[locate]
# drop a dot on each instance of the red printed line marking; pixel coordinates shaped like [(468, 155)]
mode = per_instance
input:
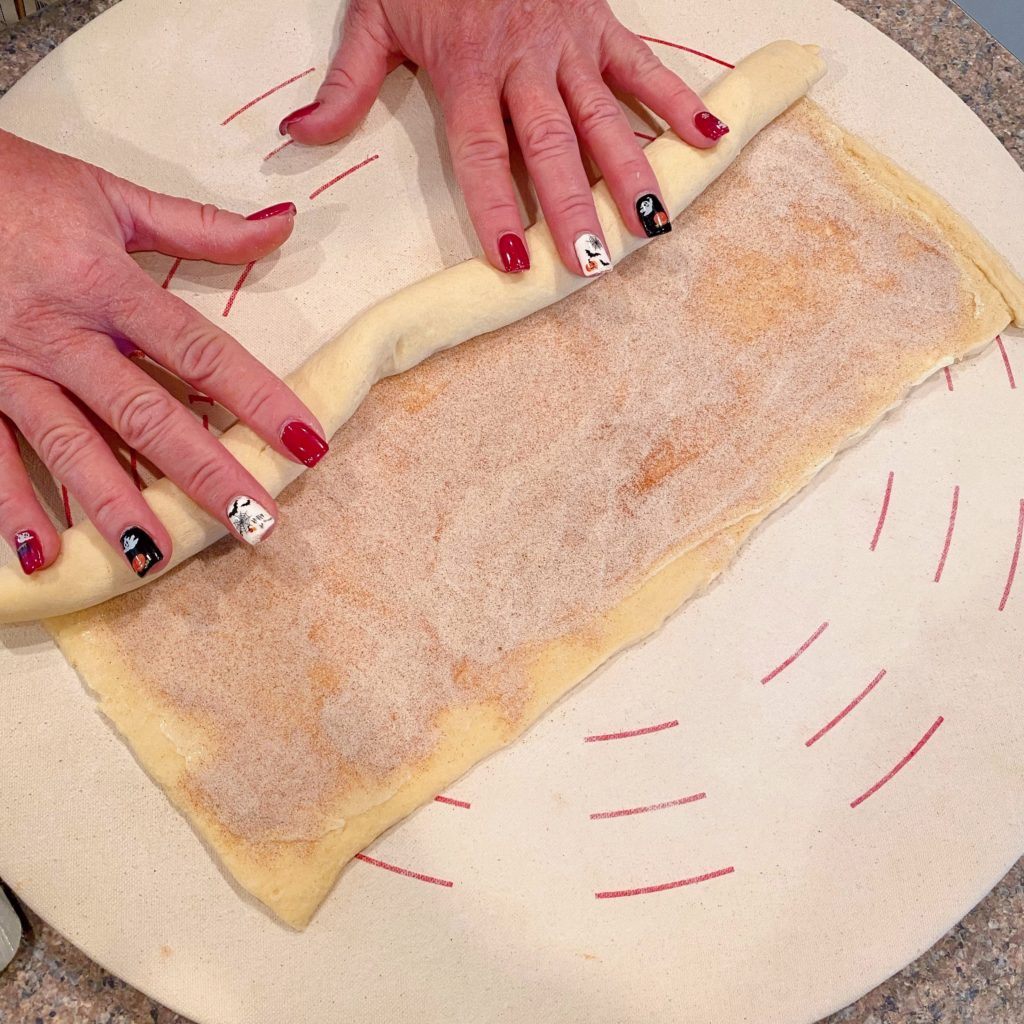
[(644, 135), (687, 49), (344, 174), (67, 505), (650, 807), (901, 764), (949, 378), (274, 152), (616, 893), (404, 871), (134, 463), (796, 654), (1016, 558), (849, 707), (1006, 363), (884, 512), (237, 288), (454, 803), (949, 534), (263, 96), (171, 272), (206, 422), (195, 399), (646, 730)]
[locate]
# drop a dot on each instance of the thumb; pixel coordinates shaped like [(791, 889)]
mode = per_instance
[(153, 222), (364, 59)]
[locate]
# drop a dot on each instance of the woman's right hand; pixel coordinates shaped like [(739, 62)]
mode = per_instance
[(70, 294)]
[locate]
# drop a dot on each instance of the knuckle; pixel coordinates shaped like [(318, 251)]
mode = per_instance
[(60, 445), (11, 507), (108, 507), (597, 113), (141, 417), (262, 399), (208, 215), (480, 147), (642, 62), (93, 274), (575, 208), (340, 78), (204, 477), (547, 135), (201, 355)]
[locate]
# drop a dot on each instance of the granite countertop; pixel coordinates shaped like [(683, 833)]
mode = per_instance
[(975, 974)]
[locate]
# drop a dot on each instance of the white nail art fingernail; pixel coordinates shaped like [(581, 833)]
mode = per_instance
[(250, 519), (592, 254)]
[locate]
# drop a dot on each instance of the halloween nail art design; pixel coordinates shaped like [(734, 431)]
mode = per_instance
[(30, 551), (140, 549), (709, 126), (593, 256), (652, 215), (250, 519)]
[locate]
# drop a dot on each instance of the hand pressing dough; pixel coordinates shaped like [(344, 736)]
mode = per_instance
[(495, 523)]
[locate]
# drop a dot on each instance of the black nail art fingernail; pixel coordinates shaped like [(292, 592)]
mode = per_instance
[(652, 215), (140, 549)]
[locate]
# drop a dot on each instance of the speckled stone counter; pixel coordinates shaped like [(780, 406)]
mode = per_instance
[(975, 975)]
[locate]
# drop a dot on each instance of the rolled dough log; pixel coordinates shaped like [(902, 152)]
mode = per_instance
[(498, 521)]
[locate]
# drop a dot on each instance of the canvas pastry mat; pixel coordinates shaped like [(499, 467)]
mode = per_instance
[(761, 812)]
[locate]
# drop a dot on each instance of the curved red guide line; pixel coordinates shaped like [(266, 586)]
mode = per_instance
[(901, 764), (650, 807), (67, 505), (616, 893), (454, 803), (277, 149), (849, 707), (237, 288), (632, 732), (796, 654), (884, 512), (644, 135), (404, 871), (171, 272), (263, 96), (344, 174), (1006, 363), (949, 378), (949, 535), (1016, 558), (687, 49)]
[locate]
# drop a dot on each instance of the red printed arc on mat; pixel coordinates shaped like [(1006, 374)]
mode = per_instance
[(949, 378), (277, 149), (262, 96), (344, 174), (1006, 363), (404, 871), (901, 764), (796, 654), (171, 272), (885, 511), (688, 49), (627, 812), (630, 733), (238, 287), (612, 894), (67, 505), (829, 726), (644, 135), (949, 535), (1015, 559)]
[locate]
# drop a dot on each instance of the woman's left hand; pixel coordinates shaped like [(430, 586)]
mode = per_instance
[(551, 64)]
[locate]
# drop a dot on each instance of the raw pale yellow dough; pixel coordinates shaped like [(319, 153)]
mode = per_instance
[(495, 523)]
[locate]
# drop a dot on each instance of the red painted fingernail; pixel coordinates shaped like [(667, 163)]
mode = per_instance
[(30, 551), (512, 249), (273, 211), (709, 126), (296, 115), (304, 442)]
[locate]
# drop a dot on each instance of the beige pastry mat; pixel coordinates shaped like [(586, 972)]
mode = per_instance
[(520, 897)]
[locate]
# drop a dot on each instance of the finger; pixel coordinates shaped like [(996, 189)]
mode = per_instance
[(23, 522), (479, 148), (153, 222), (163, 431), (364, 59), (605, 132), (630, 65), (76, 455), (171, 332), (552, 156)]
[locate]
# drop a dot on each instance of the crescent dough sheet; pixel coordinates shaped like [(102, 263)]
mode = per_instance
[(496, 522)]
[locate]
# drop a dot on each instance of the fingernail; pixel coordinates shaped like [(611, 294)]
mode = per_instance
[(304, 442), (252, 522), (273, 211), (592, 254), (297, 115), (30, 551), (709, 126), (512, 249), (140, 549), (652, 215)]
